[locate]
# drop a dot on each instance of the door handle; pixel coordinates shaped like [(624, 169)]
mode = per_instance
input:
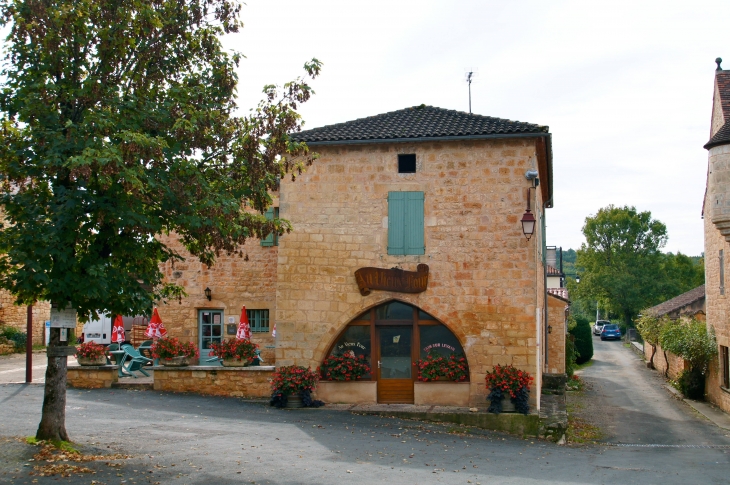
[(378, 364)]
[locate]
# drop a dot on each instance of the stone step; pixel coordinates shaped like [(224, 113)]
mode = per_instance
[(127, 384)]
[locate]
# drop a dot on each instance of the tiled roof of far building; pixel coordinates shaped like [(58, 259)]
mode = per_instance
[(678, 302), (419, 122), (553, 271), (722, 78), (561, 293)]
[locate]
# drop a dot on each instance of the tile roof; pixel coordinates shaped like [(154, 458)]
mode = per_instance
[(553, 271), (561, 293), (419, 122), (678, 302), (722, 137)]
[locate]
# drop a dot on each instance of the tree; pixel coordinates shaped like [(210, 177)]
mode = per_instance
[(690, 339), (583, 340), (680, 274), (117, 127), (621, 260)]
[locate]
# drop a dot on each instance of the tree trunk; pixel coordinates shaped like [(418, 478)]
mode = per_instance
[(53, 418), (666, 372)]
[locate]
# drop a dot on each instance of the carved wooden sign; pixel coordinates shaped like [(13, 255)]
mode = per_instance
[(394, 279)]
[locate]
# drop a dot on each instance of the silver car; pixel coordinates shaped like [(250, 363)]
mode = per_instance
[(598, 326)]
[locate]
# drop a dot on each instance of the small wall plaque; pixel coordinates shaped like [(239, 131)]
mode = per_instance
[(231, 329)]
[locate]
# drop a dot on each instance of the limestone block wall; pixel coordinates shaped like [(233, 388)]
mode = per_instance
[(676, 363), (17, 316), (234, 282), (486, 281), (556, 339), (216, 381), (91, 377), (717, 306)]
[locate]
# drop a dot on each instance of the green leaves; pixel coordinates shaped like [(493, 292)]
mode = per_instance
[(690, 339), (117, 127)]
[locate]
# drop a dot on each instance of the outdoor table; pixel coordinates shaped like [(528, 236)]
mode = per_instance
[(119, 358)]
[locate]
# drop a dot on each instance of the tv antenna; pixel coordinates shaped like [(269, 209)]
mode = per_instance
[(469, 77)]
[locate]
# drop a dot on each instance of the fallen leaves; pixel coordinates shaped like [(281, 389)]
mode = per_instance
[(58, 461)]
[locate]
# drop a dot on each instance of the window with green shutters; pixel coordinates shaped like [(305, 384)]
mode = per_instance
[(405, 223), (271, 239), (259, 320)]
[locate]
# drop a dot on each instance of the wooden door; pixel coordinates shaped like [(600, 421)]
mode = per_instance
[(395, 364)]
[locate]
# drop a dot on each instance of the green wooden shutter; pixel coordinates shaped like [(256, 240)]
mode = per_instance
[(414, 223), (396, 222), (269, 240)]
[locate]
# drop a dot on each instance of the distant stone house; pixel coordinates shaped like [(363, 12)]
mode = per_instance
[(688, 304), (407, 239)]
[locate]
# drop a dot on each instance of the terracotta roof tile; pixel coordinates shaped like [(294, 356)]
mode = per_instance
[(678, 302)]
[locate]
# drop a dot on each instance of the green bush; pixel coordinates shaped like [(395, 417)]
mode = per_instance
[(692, 384), (583, 340), (571, 355), (15, 336)]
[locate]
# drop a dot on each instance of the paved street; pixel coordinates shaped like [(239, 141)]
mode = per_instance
[(629, 403), (12, 368), (188, 439)]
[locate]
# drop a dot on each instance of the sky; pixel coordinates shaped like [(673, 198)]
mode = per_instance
[(625, 87)]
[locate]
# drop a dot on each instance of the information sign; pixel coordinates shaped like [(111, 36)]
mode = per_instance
[(63, 318)]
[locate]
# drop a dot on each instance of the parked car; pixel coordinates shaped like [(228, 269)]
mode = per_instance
[(598, 326), (610, 331)]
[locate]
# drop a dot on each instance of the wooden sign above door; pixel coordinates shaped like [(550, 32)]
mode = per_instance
[(394, 279)]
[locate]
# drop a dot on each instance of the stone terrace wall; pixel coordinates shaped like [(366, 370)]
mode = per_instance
[(17, 316), (92, 377), (676, 364), (485, 277), (215, 381)]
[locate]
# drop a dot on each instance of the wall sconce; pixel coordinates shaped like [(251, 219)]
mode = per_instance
[(208, 293), (550, 329), (577, 279), (528, 219)]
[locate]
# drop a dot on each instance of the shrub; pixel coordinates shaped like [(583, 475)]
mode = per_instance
[(650, 328), (346, 367), (167, 348), (690, 339), (571, 355), (14, 336), (583, 340), (293, 379), (235, 349), (90, 350), (692, 383), (435, 366)]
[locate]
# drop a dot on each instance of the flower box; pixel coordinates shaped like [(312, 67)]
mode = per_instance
[(349, 392), (87, 361), (234, 363), (179, 361)]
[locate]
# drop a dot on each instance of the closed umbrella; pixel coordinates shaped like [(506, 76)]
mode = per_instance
[(244, 328), (155, 329), (118, 330)]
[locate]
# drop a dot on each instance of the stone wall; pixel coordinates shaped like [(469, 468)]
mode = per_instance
[(486, 280), (17, 316), (234, 281), (556, 339), (91, 377), (717, 305), (676, 364), (216, 381)]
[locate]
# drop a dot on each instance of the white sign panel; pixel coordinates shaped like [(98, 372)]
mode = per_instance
[(63, 318)]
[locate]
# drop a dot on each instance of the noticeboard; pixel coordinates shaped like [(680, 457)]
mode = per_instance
[(63, 318)]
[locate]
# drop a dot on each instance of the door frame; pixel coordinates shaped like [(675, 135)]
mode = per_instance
[(381, 388), (204, 357)]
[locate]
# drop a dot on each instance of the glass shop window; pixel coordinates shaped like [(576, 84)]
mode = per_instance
[(355, 339), (437, 339)]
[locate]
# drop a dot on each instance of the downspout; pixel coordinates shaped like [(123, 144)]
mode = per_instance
[(544, 272)]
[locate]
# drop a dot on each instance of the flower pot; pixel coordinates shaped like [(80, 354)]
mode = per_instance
[(101, 360), (179, 361), (294, 401), (235, 363), (507, 405)]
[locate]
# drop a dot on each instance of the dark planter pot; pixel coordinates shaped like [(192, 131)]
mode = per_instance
[(179, 361), (101, 360), (294, 401)]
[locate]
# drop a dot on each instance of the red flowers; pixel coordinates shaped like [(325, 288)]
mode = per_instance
[(235, 349), (435, 366), (347, 367), (508, 379), (292, 379), (90, 350), (167, 348)]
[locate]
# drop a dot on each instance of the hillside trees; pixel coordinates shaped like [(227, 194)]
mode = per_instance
[(118, 125)]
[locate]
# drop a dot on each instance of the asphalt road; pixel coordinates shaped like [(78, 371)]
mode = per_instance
[(630, 404), (189, 439)]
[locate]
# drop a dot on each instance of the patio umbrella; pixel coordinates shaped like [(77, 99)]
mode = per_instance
[(118, 330), (155, 329), (244, 328)]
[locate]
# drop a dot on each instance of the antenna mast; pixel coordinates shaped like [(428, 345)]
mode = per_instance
[(469, 77)]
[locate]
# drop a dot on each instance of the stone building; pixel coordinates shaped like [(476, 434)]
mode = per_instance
[(407, 239), (716, 214)]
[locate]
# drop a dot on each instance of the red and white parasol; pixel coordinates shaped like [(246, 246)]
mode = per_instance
[(244, 328), (155, 329), (118, 330)]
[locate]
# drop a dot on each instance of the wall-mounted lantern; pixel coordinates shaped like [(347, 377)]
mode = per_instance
[(208, 293), (528, 219)]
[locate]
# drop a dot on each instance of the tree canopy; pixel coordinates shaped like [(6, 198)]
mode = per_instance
[(118, 125), (621, 260)]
